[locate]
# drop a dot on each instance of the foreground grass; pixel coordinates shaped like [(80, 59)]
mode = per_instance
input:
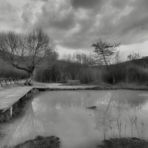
[(41, 142), (124, 143), (54, 142)]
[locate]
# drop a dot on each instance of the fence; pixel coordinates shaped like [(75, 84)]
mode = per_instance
[(10, 81)]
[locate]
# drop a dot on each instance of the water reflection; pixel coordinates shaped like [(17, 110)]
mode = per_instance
[(67, 115)]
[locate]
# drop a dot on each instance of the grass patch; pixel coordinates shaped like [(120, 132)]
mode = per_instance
[(124, 143), (41, 142)]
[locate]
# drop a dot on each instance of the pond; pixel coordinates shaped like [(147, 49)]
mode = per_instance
[(81, 119)]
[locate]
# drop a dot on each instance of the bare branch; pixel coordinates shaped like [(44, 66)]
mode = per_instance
[(22, 51)]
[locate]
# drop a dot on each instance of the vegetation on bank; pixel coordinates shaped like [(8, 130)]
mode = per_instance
[(128, 72), (39, 142), (97, 69), (124, 143), (61, 71)]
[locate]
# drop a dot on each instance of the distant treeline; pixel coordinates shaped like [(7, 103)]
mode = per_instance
[(135, 71)]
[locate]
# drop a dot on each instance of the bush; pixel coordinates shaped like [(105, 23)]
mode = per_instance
[(124, 143), (128, 73), (52, 73), (63, 71), (115, 74), (41, 142), (137, 74), (86, 75), (58, 72)]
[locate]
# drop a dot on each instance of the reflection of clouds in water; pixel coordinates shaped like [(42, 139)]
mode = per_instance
[(104, 100), (122, 118), (75, 126), (71, 123), (39, 106), (144, 95), (145, 107), (64, 114)]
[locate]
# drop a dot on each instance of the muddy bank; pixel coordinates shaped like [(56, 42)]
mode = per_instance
[(40, 142), (124, 143), (54, 142), (62, 87), (18, 108)]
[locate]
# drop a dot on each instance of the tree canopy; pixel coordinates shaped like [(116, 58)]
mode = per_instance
[(25, 51), (104, 50)]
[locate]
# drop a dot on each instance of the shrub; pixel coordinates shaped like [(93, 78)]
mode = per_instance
[(116, 74), (137, 74), (124, 143), (41, 142), (128, 73), (86, 75)]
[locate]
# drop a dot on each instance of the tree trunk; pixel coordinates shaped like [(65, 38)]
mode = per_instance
[(106, 64), (108, 69)]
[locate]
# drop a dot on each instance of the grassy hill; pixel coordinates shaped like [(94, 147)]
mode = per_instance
[(8, 71)]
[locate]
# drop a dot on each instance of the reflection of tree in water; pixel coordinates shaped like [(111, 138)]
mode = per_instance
[(2, 134), (28, 127)]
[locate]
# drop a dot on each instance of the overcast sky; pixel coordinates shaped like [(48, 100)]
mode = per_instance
[(76, 24)]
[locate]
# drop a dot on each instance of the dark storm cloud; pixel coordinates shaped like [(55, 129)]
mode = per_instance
[(9, 18), (131, 27), (54, 15), (78, 23), (121, 21), (86, 3), (120, 4), (138, 19), (125, 21), (27, 14)]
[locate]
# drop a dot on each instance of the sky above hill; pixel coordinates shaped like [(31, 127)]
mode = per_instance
[(76, 24)]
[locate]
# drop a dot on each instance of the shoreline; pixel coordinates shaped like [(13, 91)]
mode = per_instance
[(17, 108), (104, 144)]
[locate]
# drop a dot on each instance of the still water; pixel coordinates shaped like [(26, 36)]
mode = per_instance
[(81, 119)]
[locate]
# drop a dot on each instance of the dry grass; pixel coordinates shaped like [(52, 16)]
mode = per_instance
[(124, 143)]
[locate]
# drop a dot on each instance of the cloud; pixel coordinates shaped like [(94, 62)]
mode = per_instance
[(57, 15), (78, 28), (132, 24), (86, 3), (79, 23), (29, 12), (120, 4), (9, 18)]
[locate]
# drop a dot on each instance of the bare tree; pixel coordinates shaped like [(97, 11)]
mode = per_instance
[(11, 49), (24, 52), (104, 51), (117, 57), (133, 56), (85, 59)]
